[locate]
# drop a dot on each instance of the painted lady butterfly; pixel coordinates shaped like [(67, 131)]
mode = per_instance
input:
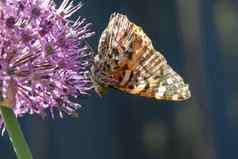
[(127, 61)]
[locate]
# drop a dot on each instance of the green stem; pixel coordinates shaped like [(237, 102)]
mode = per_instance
[(15, 134)]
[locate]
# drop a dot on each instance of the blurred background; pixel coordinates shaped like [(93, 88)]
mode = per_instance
[(199, 38)]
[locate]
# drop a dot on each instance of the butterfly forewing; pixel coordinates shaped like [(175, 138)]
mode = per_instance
[(127, 60)]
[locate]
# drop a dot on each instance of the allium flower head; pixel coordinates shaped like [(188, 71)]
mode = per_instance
[(43, 57)]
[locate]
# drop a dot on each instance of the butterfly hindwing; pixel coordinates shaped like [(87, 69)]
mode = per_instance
[(127, 60)]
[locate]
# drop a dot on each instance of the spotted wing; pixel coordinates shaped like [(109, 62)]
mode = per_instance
[(127, 60)]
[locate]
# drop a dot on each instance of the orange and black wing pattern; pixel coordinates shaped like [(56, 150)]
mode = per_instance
[(126, 60)]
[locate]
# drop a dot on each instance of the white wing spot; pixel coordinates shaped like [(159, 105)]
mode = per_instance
[(96, 58), (169, 81), (142, 85), (175, 97), (159, 94), (162, 89)]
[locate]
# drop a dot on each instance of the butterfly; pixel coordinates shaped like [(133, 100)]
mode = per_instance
[(126, 60)]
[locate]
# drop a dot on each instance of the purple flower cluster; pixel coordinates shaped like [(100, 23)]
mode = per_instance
[(43, 56)]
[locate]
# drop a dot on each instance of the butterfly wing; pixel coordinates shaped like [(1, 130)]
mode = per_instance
[(126, 60)]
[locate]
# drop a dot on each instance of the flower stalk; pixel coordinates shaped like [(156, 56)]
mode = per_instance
[(15, 133)]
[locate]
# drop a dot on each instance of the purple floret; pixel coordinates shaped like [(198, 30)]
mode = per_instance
[(43, 56)]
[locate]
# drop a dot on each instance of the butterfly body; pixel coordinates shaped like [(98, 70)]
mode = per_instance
[(127, 61)]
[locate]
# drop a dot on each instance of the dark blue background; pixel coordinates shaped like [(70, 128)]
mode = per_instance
[(199, 40)]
